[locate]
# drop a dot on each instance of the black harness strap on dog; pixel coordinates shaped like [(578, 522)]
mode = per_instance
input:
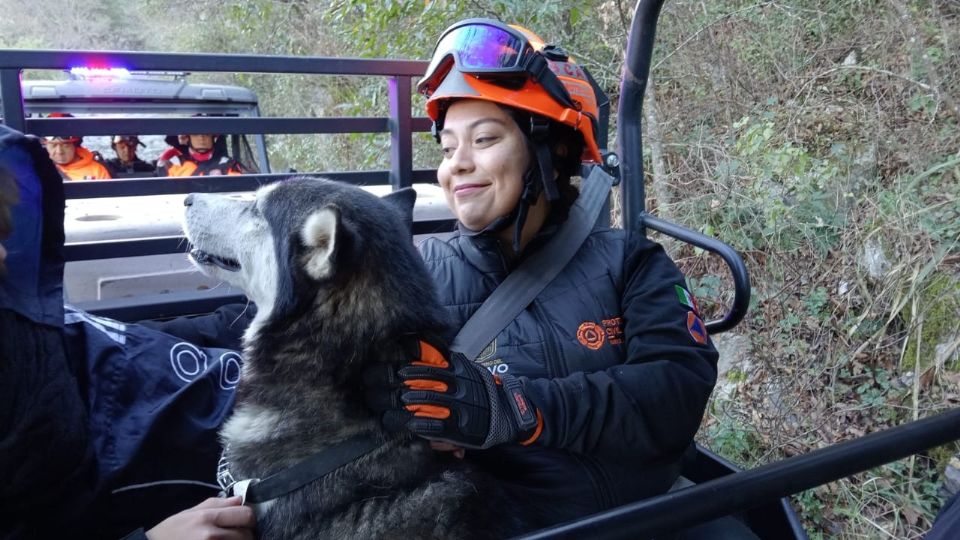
[(309, 470), (523, 284)]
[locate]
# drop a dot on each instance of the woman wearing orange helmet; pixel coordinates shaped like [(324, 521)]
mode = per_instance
[(588, 398)]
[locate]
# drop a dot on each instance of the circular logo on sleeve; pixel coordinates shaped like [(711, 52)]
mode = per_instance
[(591, 335)]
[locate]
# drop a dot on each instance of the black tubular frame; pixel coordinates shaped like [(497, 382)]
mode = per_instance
[(636, 71), (400, 124), (757, 487)]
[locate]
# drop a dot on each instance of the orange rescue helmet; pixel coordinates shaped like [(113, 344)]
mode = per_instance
[(510, 65)]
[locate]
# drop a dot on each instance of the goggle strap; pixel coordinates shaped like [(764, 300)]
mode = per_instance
[(539, 68), (536, 65)]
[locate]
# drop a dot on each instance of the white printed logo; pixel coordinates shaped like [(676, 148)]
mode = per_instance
[(189, 363), (498, 369), (229, 370)]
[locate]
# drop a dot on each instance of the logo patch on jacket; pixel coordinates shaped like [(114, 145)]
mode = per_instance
[(687, 299), (698, 330), (614, 330), (591, 335)]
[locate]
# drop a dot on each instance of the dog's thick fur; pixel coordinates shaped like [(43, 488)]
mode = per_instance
[(338, 286)]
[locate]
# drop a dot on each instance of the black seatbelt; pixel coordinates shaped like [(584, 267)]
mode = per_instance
[(525, 282), (311, 469)]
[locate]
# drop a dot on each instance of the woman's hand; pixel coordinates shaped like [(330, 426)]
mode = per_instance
[(451, 399), (214, 518), (441, 446)]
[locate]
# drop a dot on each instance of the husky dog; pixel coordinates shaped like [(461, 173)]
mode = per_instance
[(338, 286)]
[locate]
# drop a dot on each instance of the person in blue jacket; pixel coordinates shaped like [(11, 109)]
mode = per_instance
[(612, 355), (105, 427)]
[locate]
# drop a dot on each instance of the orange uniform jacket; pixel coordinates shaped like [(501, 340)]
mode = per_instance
[(191, 168), (84, 167)]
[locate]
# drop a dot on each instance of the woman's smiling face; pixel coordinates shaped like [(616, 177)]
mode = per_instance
[(484, 158)]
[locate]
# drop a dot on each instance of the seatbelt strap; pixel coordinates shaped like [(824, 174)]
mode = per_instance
[(524, 283), (309, 470)]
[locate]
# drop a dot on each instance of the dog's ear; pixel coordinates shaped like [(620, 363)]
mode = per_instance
[(319, 236), (403, 200)]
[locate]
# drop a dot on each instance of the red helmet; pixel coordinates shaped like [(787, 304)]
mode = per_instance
[(510, 65), (62, 138)]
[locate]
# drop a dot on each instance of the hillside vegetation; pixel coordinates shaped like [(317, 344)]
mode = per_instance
[(819, 138)]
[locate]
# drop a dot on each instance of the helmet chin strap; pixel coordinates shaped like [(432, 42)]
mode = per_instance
[(539, 128), (534, 182)]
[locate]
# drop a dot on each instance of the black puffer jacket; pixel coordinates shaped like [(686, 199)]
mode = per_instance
[(611, 352)]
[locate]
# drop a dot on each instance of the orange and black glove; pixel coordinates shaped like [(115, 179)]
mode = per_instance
[(453, 400)]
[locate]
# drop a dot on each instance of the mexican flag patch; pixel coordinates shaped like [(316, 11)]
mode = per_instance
[(686, 298)]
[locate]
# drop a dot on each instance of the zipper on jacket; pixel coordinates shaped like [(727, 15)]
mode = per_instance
[(554, 363)]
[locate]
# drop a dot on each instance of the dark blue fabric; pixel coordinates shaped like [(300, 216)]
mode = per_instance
[(104, 427), (34, 285), (46, 457), (156, 404), (605, 354), (947, 524)]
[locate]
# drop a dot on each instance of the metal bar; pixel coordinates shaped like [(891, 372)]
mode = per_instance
[(161, 126), (243, 63), (630, 116), (89, 251), (401, 143), (432, 226), (95, 189), (111, 249), (161, 306), (741, 279), (757, 487), (12, 97), (262, 158), (774, 520)]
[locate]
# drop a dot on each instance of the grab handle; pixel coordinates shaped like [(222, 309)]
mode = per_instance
[(741, 279)]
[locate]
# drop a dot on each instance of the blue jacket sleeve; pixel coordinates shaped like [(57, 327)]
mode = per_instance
[(650, 406), (222, 329)]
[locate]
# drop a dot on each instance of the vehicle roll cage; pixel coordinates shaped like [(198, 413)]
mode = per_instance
[(400, 124), (723, 496)]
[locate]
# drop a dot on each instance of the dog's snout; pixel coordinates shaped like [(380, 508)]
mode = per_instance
[(188, 201)]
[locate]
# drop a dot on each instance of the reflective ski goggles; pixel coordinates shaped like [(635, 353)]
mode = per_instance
[(490, 50)]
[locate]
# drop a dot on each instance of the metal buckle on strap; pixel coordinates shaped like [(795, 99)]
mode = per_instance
[(224, 478), (239, 489)]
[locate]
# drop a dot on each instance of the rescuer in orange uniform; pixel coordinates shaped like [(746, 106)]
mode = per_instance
[(203, 159), (72, 160)]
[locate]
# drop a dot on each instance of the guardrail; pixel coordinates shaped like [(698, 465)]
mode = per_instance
[(400, 124)]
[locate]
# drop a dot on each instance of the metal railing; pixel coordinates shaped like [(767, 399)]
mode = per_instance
[(400, 124)]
